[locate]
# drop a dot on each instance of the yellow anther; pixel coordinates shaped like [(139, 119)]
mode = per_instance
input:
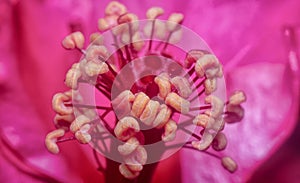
[(207, 64), (229, 164), (210, 86), (96, 38), (150, 112), (115, 8), (182, 85), (83, 135), (154, 12), (204, 143), (170, 131), (192, 56), (128, 147), (217, 106), (127, 173), (162, 117), (136, 159), (159, 29), (138, 42), (164, 85), (107, 22), (58, 104), (95, 68), (122, 103), (63, 121), (126, 18), (96, 53), (237, 98), (126, 128), (79, 122), (74, 40), (139, 104), (72, 76), (178, 103), (51, 139), (220, 142), (202, 120), (174, 20), (234, 113)]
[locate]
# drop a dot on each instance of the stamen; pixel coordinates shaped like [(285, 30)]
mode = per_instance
[(217, 105), (74, 40), (164, 85), (73, 76), (178, 103), (150, 112), (129, 146), (170, 131), (127, 173), (139, 104), (182, 85), (51, 140), (229, 164), (78, 123), (162, 117), (83, 135), (58, 104), (237, 98), (126, 128), (220, 142)]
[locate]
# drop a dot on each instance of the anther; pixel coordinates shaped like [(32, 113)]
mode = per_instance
[(78, 123), (234, 113), (136, 159), (95, 52), (229, 164), (192, 56), (126, 128), (237, 98), (139, 104), (220, 142), (72, 76), (59, 106), (122, 103), (128, 147), (174, 20), (107, 22), (202, 120), (164, 85), (182, 85), (208, 63), (150, 112), (96, 38), (74, 40), (94, 69), (210, 85), (63, 121), (162, 117), (170, 131), (83, 135), (204, 143), (217, 106), (115, 8), (127, 173), (154, 12), (51, 140), (178, 103)]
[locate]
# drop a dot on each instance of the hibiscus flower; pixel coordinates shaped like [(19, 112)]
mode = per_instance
[(33, 67)]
